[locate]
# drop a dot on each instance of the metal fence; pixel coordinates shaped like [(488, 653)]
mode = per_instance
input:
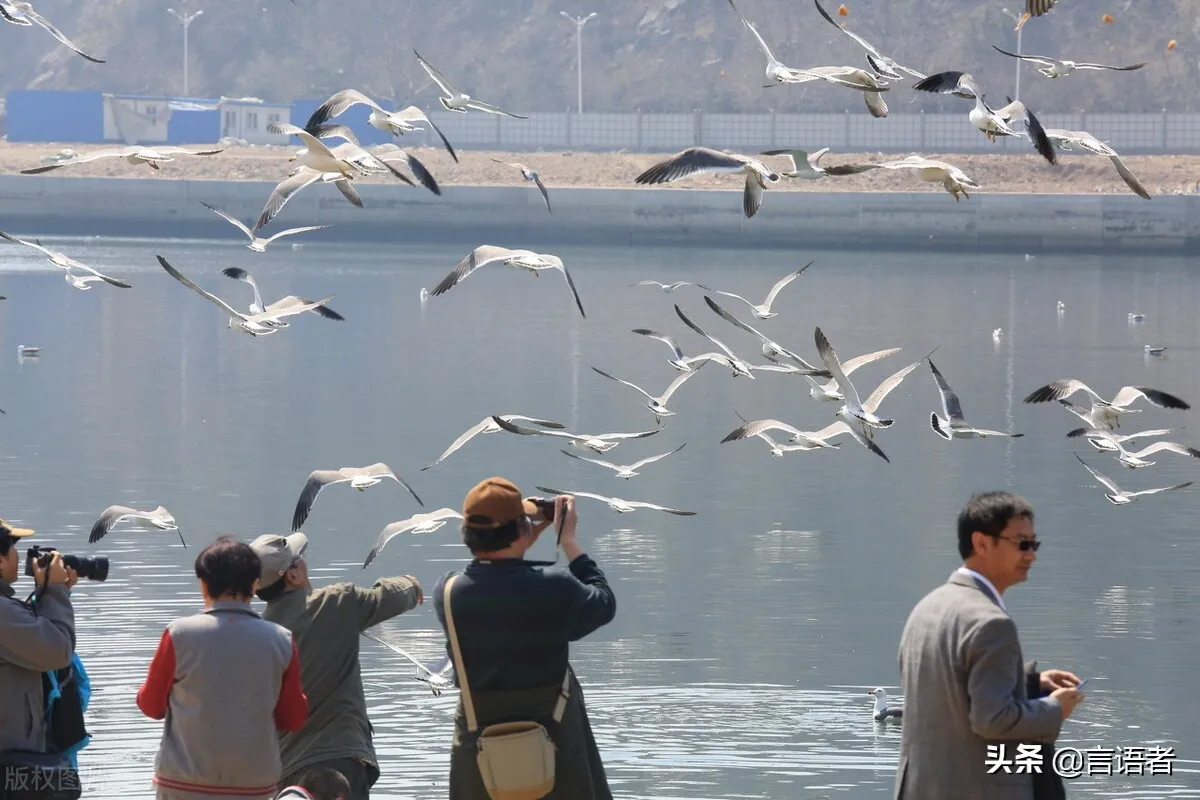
[(845, 132)]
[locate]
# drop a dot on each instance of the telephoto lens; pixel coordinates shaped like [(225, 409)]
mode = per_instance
[(93, 568)]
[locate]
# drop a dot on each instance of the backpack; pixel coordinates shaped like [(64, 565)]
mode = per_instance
[(68, 692)]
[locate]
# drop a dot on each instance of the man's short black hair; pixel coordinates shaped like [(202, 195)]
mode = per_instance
[(489, 540), (990, 513), (326, 783), (6, 543), (228, 566)]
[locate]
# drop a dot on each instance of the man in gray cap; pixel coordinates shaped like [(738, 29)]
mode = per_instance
[(326, 624)]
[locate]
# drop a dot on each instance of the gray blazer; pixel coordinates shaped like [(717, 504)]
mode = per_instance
[(965, 687)]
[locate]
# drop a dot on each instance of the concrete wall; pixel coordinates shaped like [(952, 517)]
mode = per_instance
[(516, 216)]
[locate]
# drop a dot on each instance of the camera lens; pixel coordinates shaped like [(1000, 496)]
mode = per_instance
[(90, 568)]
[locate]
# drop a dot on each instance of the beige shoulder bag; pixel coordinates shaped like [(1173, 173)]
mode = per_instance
[(516, 759)]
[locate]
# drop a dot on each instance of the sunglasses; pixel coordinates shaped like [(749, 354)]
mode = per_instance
[(1024, 545)]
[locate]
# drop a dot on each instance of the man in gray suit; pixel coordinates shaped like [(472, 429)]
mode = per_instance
[(965, 686)]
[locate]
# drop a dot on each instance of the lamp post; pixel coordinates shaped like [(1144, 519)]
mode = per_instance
[(186, 21), (579, 23), (1020, 30)]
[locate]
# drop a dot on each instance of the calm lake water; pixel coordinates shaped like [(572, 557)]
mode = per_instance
[(747, 636)]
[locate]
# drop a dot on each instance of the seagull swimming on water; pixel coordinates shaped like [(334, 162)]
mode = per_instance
[(159, 519), (67, 263), (626, 471), (258, 244), (529, 175), (521, 259), (597, 443), (20, 12), (417, 524), (1106, 413), (619, 505), (1119, 496), (703, 159), (1055, 68), (257, 307), (454, 100), (358, 477), (488, 425), (954, 425), (882, 712)]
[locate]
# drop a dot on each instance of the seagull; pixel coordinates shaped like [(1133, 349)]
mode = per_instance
[(1082, 140), (882, 712), (619, 505), (850, 77), (703, 159), (388, 152), (159, 519), (397, 123), (930, 170), (1154, 351), (20, 12), (358, 477), (1134, 460), (1054, 68), (1106, 412), (1061, 306), (135, 154), (291, 300), (740, 368), (658, 405), (804, 165), (454, 100), (316, 155), (853, 407), (1109, 442), (352, 152), (884, 67), (954, 425), (776, 72), (764, 311), (298, 180), (667, 288), (993, 122), (803, 440), (597, 443), (488, 425), (529, 175), (28, 351), (521, 259), (770, 348), (436, 675), (254, 324), (258, 245), (1119, 496), (418, 523), (1136, 317), (679, 362), (627, 471), (67, 263), (1037, 8), (996, 334), (829, 392)]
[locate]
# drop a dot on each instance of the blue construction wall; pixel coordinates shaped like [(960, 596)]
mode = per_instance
[(55, 116), (355, 118), (194, 127)]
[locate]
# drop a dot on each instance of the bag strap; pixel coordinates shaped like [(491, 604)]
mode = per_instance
[(564, 694), (460, 666)]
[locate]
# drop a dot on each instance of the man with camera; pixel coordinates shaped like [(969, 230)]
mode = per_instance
[(521, 722), (34, 639)]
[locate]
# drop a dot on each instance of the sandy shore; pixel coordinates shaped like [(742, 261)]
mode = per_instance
[(995, 173)]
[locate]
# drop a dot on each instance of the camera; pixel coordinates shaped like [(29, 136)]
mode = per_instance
[(545, 507), (92, 568)]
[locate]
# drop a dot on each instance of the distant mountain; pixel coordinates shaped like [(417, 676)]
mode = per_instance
[(654, 55)]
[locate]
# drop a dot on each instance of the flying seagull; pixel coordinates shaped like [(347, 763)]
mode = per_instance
[(291, 300), (1133, 460), (521, 259), (418, 523), (884, 67), (597, 443), (134, 154), (764, 311), (316, 155), (260, 324), (1119, 496), (397, 123), (159, 519), (619, 505), (454, 100), (954, 180), (67, 263), (853, 407), (852, 78), (1054, 68), (954, 425), (740, 368), (703, 159), (658, 404), (829, 392), (776, 72), (257, 244), (529, 175), (882, 712), (680, 362), (1082, 140), (802, 440), (358, 477), (1106, 413), (805, 165), (354, 154), (488, 425), (1108, 442), (20, 12), (298, 180), (667, 288), (992, 122), (435, 675), (770, 348), (624, 471)]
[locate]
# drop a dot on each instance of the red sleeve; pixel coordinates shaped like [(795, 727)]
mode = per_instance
[(291, 710), (156, 691)]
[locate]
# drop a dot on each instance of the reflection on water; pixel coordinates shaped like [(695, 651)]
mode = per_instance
[(746, 636)]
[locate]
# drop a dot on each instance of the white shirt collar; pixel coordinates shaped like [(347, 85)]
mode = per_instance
[(970, 573)]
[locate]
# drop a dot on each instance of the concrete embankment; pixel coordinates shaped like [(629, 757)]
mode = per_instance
[(517, 217)]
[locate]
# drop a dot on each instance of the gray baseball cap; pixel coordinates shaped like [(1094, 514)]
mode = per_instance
[(278, 554)]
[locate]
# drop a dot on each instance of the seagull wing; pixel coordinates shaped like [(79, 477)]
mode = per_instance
[(1156, 491), (239, 274), (537, 179), (1049, 62), (511, 428), (183, 151), (82, 158), (875, 104), (436, 672), (1171, 447), (336, 105), (758, 426), (1161, 399), (784, 281), (732, 319), (599, 497), (298, 305), (179, 276), (689, 162), (858, 437), (396, 528), (314, 145), (601, 462), (382, 470), (56, 33), (437, 77), (1130, 179), (108, 518), (571, 285), (36, 246), (675, 384), (349, 192), (1037, 8), (829, 357), (479, 105), (952, 82), (292, 231), (317, 480), (696, 328), (469, 434), (658, 457), (662, 337), (627, 383), (1107, 66), (1062, 389), (1108, 483), (100, 275), (865, 44), (284, 191), (951, 407), (479, 257), (653, 507), (885, 388), (412, 113), (761, 42), (237, 223), (797, 157), (858, 361)]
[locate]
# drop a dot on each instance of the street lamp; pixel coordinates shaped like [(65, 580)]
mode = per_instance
[(579, 23), (186, 20), (1020, 30)]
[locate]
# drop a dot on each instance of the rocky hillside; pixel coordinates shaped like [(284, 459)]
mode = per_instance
[(660, 55)]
